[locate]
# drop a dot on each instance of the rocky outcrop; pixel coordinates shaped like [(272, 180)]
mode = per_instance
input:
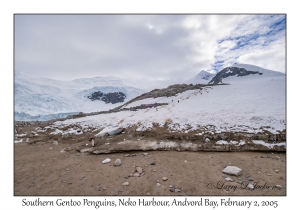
[(172, 90), (116, 97), (231, 71)]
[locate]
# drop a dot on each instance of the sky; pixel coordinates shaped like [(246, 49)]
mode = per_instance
[(151, 51)]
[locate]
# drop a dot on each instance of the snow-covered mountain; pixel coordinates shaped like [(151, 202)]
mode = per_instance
[(44, 98), (249, 103), (203, 77), (242, 70)]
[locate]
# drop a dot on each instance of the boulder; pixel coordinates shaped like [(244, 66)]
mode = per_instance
[(232, 170)]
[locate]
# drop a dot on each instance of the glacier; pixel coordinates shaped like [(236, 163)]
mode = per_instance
[(40, 99)]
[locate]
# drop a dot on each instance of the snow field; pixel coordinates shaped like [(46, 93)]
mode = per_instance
[(250, 104)]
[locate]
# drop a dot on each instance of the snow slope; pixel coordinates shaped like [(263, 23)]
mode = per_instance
[(250, 104), (203, 77), (44, 98)]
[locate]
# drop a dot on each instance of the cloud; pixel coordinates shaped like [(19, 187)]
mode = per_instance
[(272, 57), (156, 50), (256, 37)]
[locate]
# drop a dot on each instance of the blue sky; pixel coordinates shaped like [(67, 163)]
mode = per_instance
[(151, 50)]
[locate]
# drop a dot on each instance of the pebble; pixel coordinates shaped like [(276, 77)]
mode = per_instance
[(137, 174), (125, 184), (158, 184), (126, 155), (139, 169), (107, 160), (67, 169), (165, 178), (250, 186), (82, 177), (276, 170), (118, 162), (154, 170), (250, 179), (228, 179), (278, 186), (153, 163)]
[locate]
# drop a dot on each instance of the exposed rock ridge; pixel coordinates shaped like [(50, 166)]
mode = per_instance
[(231, 71)]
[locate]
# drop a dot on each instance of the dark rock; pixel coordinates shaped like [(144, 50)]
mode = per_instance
[(113, 98), (231, 71)]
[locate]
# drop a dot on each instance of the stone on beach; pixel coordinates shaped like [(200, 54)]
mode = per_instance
[(139, 169), (125, 184), (137, 174), (107, 160), (228, 179), (118, 162), (232, 170), (165, 178)]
